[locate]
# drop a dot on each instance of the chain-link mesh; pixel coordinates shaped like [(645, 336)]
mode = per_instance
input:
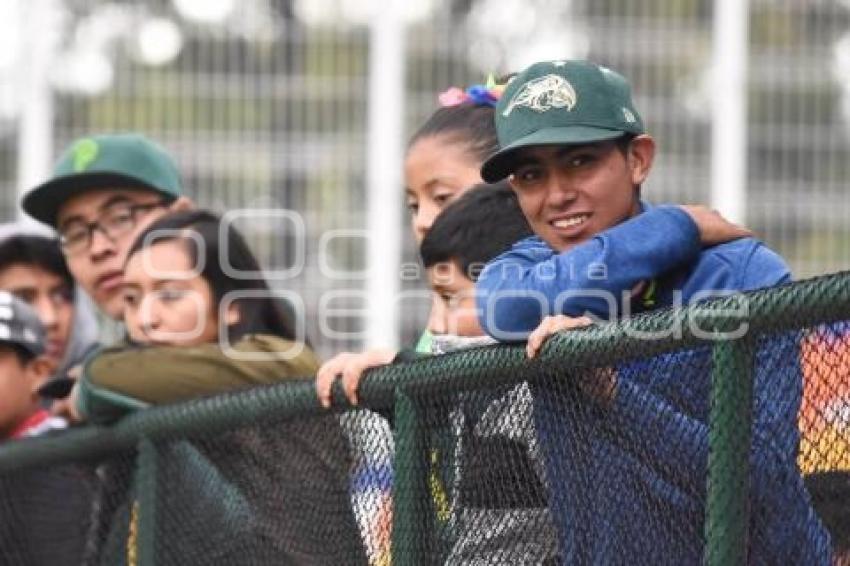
[(66, 513), (609, 448), (825, 426)]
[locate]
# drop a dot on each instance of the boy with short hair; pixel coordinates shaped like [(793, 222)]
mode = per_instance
[(23, 369), (471, 231), (33, 269), (493, 431), (485, 439), (575, 151)]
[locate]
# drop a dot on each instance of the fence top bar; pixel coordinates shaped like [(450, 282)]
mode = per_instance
[(806, 303)]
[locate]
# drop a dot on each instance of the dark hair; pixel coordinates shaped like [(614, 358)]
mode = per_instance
[(624, 142), (483, 223), (38, 251), (830, 493), (23, 355), (471, 124), (256, 315)]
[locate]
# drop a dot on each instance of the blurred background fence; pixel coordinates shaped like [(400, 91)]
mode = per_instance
[(265, 103)]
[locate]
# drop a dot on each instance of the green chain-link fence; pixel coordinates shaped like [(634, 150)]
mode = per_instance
[(667, 438)]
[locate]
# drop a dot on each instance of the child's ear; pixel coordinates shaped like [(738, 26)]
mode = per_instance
[(38, 371), (232, 315)]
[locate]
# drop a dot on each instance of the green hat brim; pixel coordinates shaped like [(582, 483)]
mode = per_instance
[(44, 201), (501, 163)]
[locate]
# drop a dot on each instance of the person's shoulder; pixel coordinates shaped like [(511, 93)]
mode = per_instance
[(747, 263), (297, 356), (742, 253), (529, 248)]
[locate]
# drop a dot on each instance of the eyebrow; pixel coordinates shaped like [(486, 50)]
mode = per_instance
[(524, 159), (429, 186), (130, 285), (114, 200), (444, 287), (24, 289), (109, 202), (162, 282)]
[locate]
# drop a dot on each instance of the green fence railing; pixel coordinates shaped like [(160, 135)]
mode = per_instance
[(404, 391)]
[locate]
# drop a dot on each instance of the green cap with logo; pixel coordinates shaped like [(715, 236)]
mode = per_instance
[(560, 103), (112, 161)]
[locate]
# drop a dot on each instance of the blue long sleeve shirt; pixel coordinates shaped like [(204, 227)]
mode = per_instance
[(628, 482)]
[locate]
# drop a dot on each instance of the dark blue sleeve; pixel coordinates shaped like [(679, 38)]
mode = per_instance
[(517, 289)]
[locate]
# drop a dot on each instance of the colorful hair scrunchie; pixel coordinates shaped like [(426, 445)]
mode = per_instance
[(478, 95)]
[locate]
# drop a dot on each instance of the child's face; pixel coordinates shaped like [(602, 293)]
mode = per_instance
[(571, 193), (166, 301), (50, 296), (18, 385), (437, 170), (455, 312)]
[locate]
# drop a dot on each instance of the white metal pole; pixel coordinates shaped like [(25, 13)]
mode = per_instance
[(383, 176), (729, 110), (40, 24)]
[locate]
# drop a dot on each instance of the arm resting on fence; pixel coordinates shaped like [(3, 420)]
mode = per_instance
[(120, 380), (573, 282)]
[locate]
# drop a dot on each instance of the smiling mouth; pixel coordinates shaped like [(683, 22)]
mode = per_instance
[(571, 222)]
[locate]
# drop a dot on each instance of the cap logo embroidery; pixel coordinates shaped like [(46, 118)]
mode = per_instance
[(629, 115), (85, 151), (544, 93)]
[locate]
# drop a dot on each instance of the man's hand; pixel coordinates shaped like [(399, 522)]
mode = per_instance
[(549, 326), (351, 367), (713, 228)]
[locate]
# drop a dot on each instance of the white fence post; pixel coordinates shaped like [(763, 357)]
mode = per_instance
[(729, 109), (383, 179), (40, 24)]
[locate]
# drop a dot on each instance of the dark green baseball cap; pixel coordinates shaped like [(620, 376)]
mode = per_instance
[(126, 161), (560, 103)]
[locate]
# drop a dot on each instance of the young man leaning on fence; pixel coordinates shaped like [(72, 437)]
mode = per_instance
[(626, 458)]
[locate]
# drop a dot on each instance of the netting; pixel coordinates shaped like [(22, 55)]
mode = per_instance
[(655, 440)]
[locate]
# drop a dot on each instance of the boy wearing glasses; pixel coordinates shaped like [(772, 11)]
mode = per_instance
[(104, 191)]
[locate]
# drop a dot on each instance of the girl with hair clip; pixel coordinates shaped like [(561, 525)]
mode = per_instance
[(443, 160), (280, 490)]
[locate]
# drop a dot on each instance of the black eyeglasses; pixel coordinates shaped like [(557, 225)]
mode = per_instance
[(117, 220)]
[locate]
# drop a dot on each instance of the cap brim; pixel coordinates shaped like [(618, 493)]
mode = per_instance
[(43, 202), (57, 388), (500, 164)]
